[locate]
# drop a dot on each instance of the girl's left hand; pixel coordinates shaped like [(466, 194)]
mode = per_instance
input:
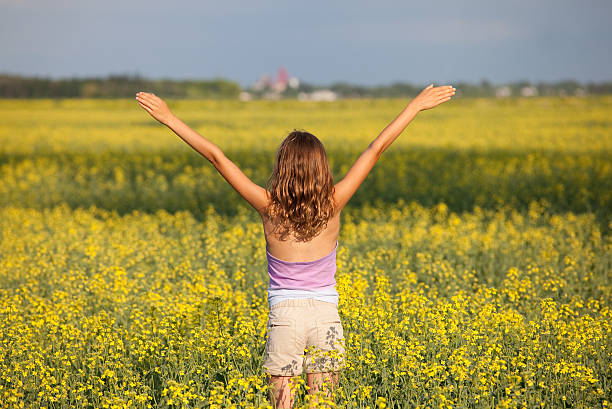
[(155, 106), (433, 96)]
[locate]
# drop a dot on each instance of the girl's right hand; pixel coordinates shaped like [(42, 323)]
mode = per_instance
[(432, 96), (155, 106)]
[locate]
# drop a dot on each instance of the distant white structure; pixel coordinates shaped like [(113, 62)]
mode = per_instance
[(580, 92), (272, 95), (319, 95), (294, 82), (530, 91), (276, 85), (245, 96), (262, 83), (503, 92), (279, 86)]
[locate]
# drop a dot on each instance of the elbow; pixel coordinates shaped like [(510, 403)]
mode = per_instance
[(215, 156), (376, 148)]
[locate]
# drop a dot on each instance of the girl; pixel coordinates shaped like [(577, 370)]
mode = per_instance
[(300, 211)]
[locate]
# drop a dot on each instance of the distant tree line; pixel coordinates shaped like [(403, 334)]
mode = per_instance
[(126, 86), (114, 86), (482, 89)]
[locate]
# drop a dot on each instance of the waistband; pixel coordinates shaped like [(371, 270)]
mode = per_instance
[(302, 302)]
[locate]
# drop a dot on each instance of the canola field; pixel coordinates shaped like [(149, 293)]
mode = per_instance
[(474, 263)]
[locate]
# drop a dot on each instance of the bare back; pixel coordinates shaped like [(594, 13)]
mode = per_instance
[(290, 250)]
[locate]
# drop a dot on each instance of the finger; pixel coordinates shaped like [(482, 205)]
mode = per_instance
[(150, 102), (145, 105), (146, 108), (445, 89), (142, 102), (445, 93), (157, 99), (145, 97), (151, 96)]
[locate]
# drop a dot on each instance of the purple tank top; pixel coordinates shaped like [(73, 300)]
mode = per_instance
[(302, 275)]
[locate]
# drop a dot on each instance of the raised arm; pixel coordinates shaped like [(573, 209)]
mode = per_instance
[(251, 192), (428, 98)]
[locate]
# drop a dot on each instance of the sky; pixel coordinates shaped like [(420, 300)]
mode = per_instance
[(320, 42)]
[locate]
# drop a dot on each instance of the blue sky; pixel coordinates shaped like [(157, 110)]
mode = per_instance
[(365, 42)]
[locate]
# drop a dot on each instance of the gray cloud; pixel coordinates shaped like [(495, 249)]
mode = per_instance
[(358, 41)]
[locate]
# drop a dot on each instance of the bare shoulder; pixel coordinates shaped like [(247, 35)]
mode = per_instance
[(291, 250)]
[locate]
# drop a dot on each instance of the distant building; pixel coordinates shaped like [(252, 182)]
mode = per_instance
[(530, 91), (294, 82), (580, 92), (282, 80), (262, 83), (503, 92), (272, 95), (319, 95), (276, 85)]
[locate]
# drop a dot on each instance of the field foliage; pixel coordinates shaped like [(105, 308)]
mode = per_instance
[(473, 267)]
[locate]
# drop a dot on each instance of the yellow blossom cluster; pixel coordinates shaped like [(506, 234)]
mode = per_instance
[(144, 310), (473, 265), (468, 153)]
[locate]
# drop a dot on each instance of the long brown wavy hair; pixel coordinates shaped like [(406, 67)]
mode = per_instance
[(301, 188)]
